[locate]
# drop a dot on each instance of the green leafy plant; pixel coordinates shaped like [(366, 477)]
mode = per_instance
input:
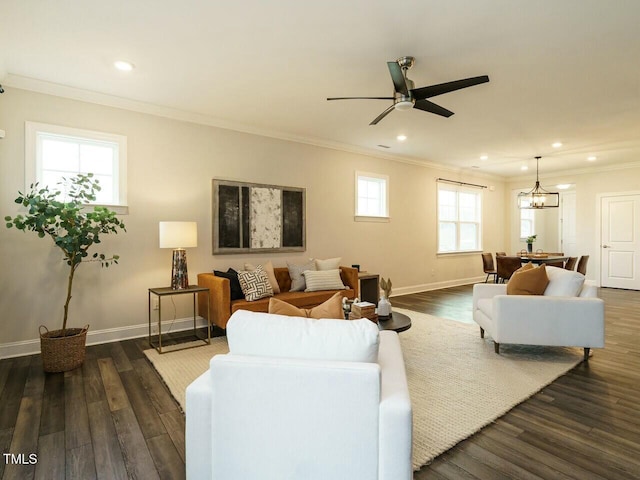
[(70, 224), (531, 239)]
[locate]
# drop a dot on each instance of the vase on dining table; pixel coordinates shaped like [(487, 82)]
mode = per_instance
[(530, 247)]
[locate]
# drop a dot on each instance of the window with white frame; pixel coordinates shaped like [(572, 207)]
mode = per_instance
[(372, 195), (459, 219), (527, 222), (54, 152)]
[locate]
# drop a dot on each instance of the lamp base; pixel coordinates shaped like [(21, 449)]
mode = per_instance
[(179, 275)]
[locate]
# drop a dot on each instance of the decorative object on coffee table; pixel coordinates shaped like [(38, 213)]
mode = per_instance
[(384, 305), (179, 235), (62, 215)]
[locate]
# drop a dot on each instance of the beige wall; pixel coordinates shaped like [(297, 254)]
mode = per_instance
[(588, 187), (170, 167)]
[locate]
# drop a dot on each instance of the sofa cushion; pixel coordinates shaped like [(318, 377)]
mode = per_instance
[(255, 285), (323, 280), (267, 267), (234, 283), (331, 308), (530, 281), (265, 334), (563, 283), (296, 273), (328, 264)]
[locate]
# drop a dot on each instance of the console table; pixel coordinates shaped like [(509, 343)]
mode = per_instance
[(369, 287), (166, 291)]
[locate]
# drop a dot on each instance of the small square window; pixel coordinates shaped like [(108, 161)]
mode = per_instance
[(372, 196)]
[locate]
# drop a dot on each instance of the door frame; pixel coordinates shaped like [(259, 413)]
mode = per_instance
[(598, 229)]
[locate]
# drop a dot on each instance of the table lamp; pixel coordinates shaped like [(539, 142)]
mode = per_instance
[(179, 235)]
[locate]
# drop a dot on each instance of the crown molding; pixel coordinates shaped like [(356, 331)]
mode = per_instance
[(89, 96), (575, 172)]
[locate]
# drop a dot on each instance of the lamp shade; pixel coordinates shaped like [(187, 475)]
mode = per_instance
[(178, 234)]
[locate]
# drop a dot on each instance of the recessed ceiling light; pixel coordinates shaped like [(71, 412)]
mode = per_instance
[(563, 186), (401, 138), (123, 66), (484, 157), (592, 158), (524, 168), (556, 144)]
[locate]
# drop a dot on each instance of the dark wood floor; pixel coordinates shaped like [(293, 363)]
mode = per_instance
[(114, 418)]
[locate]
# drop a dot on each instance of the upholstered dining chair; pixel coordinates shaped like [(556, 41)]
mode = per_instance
[(501, 254), (571, 263), (582, 264), (489, 268), (506, 267)]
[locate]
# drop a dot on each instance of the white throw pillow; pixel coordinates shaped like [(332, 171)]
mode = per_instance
[(328, 264), (269, 335), (323, 280), (563, 283)]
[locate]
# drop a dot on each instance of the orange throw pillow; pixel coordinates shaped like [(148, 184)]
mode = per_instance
[(528, 281), (331, 308)]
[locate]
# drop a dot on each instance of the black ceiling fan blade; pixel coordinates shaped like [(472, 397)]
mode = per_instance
[(382, 115), (360, 98), (434, 90), (399, 82), (431, 107)]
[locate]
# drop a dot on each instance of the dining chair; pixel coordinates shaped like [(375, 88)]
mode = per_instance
[(489, 268), (582, 264), (501, 254), (506, 267), (571, 263)]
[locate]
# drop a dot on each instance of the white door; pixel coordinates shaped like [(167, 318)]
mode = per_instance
[(620, 247), (568, 228)]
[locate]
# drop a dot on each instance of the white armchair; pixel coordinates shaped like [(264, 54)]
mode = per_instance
[(301, 399), (569, 314)]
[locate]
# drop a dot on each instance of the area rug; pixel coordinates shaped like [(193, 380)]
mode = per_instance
[(457, 383)]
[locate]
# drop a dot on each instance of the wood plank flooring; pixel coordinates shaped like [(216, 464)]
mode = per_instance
[(114, 418)]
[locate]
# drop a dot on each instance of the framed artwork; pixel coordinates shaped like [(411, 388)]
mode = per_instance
[(255, 218)]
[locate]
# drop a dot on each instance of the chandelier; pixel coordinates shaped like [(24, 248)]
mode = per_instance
[(538, 197)]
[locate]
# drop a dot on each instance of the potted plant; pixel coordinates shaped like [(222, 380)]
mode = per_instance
[(74, 229), (530, 240)]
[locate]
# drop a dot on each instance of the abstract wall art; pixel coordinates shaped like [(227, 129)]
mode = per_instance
[(253, 218)]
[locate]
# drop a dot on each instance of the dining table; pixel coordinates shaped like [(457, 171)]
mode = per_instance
[(538, 259)]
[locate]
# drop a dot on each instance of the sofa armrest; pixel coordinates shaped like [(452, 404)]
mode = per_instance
[(220, 298), (487, 290), (396, 415), (349, 276), (198, 443)]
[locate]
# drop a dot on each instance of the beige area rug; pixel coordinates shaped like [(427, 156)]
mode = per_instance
[(456, 381)]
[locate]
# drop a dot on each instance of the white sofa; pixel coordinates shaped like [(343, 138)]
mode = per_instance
[(568, 314), (301, 399)]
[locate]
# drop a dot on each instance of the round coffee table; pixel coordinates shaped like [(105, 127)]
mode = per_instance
[(398, 322)]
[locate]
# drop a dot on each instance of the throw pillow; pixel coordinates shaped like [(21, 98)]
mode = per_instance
[(255, 285), (234, 283), (331, 308), (329, 264), (268, 267), (530, 281), (524, 268), (563, 283), (323, 280), (296, 273)]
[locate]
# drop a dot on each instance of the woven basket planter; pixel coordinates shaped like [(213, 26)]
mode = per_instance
[(62, 350)]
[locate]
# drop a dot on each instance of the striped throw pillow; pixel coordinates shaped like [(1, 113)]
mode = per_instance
[(323, 280)]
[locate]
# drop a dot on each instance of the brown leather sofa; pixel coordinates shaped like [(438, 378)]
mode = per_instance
[(222, 306)]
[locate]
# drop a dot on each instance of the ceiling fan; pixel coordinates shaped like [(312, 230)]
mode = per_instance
[(406, 96)]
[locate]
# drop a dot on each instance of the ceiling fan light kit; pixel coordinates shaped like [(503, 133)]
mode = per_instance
[(538, 197), (406, 96)]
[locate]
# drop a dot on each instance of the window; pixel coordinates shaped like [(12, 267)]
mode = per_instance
[(54, 152), (459, 219), (372, 196), (527, 223)]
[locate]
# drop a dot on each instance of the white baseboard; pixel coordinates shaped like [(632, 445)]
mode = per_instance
[(30, 347), (426, 287)]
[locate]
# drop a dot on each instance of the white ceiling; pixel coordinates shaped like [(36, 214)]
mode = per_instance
[(566, 70)]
